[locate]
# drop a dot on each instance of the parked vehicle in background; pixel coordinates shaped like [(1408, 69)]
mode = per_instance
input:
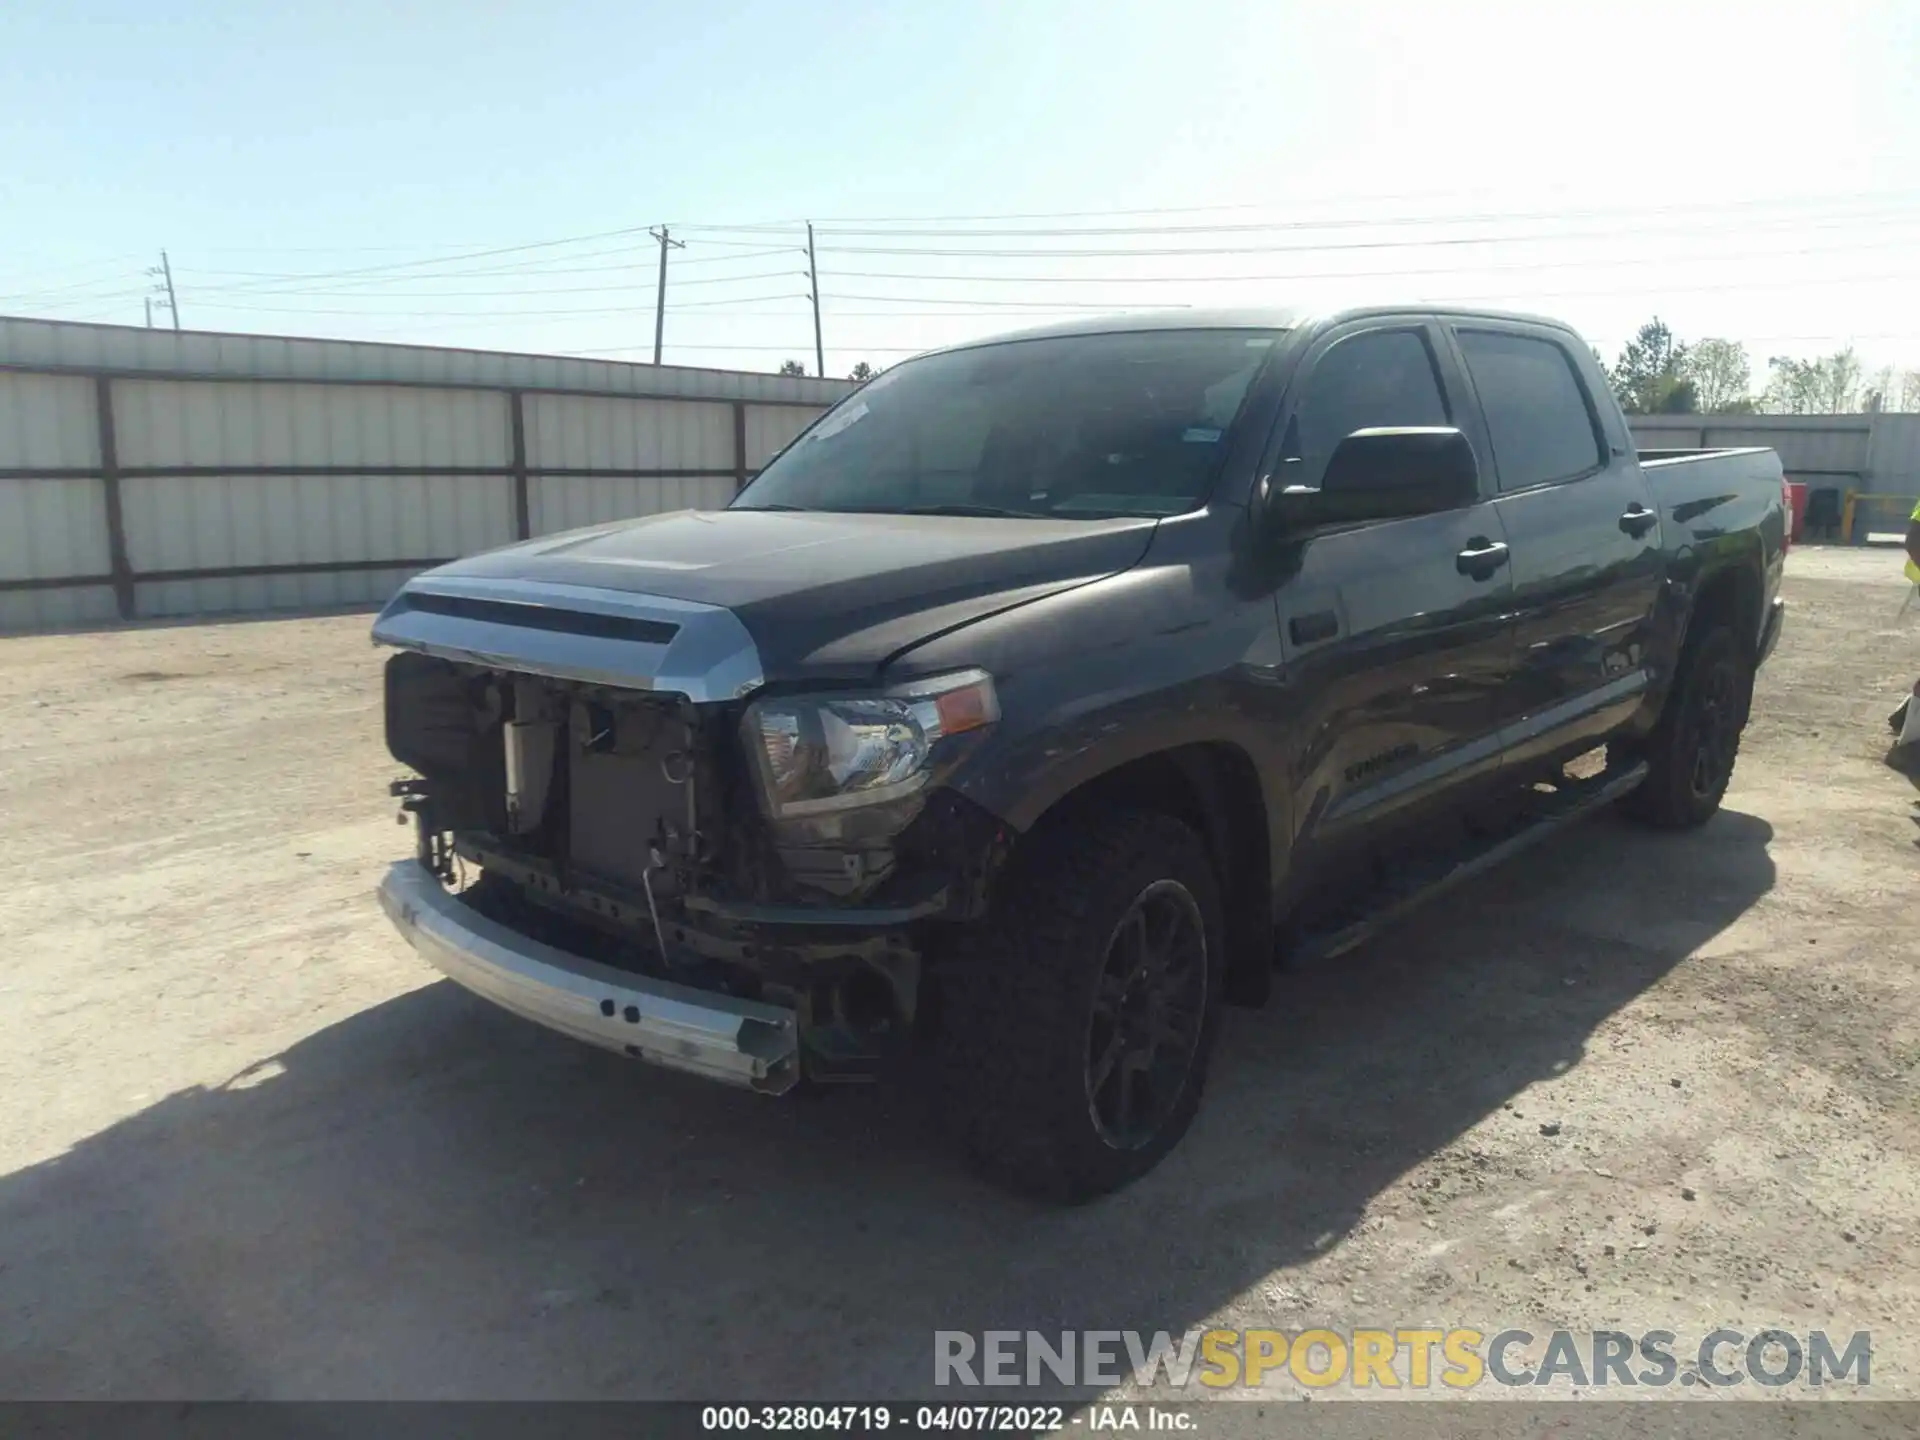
[(1025, 707)]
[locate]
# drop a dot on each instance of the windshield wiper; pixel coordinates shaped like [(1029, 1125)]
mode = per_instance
[(990, 512)]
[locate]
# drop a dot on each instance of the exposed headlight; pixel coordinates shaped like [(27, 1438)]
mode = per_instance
[(821, 753)]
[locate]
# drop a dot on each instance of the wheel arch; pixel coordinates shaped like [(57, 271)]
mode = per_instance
[(1213, 787), (1731, 593)]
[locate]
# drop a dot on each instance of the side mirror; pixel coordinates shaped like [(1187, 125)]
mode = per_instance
[(1386, 474)]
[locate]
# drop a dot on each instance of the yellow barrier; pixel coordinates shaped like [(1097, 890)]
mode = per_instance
[(1854, 496)]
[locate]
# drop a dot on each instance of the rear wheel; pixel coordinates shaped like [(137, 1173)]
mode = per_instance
[(1691, 752), (1076, 1023)]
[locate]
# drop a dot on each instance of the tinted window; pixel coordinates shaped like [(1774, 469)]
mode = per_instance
[(1078, 425), (1382, 378), (1537, 416)]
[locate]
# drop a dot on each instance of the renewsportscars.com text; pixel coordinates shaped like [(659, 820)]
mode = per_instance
[(1416, 1359)]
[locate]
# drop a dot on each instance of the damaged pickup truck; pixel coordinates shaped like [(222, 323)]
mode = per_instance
[(1047, 689)]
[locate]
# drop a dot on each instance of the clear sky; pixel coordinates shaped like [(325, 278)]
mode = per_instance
[(1749, 170)]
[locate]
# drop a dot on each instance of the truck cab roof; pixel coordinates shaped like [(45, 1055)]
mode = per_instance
[(1247, 317)]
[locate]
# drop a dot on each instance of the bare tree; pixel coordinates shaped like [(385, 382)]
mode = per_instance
[(1840, 382), (1792, 386), (1721, 375), (1827, 386), (1910, 390)]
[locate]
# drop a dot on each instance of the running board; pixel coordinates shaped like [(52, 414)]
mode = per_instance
[(1557, 809)]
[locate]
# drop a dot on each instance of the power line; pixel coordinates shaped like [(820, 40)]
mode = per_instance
[(357, 287), (648, 286), (1426, 242), (483, 313), (1249, 227), (759, 232), (970, 226), (532, 269), (1598, 262), (471, 254), (1269, 205), (998, 304), (773, 349)]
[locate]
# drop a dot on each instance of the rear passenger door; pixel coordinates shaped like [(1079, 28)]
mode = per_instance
[(1583, 531), (1395, 632)]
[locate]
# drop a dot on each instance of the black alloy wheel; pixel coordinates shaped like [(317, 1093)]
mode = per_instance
[(1148, 1005)]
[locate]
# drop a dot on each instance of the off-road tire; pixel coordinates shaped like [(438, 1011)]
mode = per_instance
[(1017, 994), (1682, 790)]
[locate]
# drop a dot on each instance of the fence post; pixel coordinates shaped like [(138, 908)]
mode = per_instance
[(516, 411), (110, 491), (739, 446)]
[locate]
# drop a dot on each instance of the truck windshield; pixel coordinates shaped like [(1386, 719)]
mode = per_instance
[(1132, 423)]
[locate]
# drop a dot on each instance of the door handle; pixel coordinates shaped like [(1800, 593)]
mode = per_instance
[(1638, 520), (1481, 558)]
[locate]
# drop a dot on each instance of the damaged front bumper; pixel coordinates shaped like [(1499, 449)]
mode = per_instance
[(740, 1042)]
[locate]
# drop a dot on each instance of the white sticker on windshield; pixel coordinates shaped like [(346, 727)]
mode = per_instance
[(1200, 435), (839, 420)]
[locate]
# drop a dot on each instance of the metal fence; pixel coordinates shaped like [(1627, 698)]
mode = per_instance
[(147, 474)]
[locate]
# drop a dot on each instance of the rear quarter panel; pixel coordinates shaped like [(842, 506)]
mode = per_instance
[(1719, 510)]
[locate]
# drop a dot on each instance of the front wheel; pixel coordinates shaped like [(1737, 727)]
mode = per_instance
[(1690, 754), (1076, 1023)]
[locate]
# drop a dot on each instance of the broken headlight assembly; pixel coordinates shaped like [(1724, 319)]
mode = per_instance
[(820, 756)]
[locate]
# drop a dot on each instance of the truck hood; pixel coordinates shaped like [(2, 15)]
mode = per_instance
[(821, 593)]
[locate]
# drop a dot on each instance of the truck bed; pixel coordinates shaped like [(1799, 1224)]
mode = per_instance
[(1713, 492)]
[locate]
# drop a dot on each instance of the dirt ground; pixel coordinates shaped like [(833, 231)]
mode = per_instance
[(251, 1147)]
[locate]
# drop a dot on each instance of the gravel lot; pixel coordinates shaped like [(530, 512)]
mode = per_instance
[(250, 1146)]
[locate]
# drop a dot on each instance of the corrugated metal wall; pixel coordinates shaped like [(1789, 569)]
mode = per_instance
[(134, 488), (50, 524), (1820, 449), (1894, 458)]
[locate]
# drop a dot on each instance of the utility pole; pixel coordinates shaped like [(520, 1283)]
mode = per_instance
[(149, 312), (173, 301), (660, 233), (163, 272), (813, 285)]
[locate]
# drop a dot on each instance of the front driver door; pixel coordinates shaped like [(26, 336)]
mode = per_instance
[(1395, 633)]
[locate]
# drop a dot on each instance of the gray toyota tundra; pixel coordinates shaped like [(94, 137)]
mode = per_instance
[(1049, 690)]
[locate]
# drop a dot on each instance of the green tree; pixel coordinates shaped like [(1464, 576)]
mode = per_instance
[(792, 367), (862, 373), (1650, 376), (1720, 374)]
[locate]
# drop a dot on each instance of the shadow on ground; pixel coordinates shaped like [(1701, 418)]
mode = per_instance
[(434, 1198)]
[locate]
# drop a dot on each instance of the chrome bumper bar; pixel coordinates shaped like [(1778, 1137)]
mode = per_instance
[(741, 1042)]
